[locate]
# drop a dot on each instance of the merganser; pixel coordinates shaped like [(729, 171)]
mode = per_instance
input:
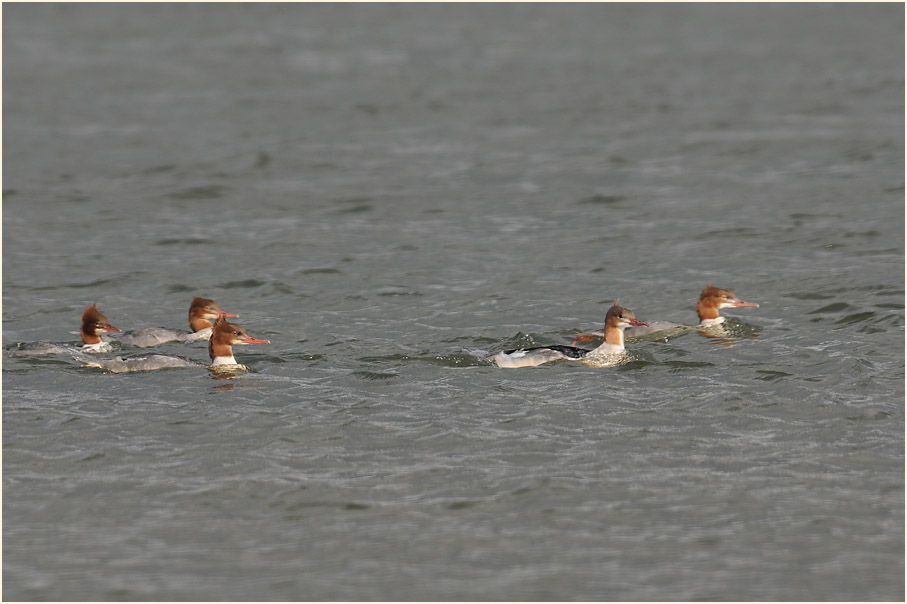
[(224, 337), (202, 312), (93, 325), (220, 348), (617, 320), (711, 300)]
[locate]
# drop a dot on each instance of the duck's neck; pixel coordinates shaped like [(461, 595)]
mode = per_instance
[(614, 336), (706, 311), (198, 323), (90, 338), (221, 354)]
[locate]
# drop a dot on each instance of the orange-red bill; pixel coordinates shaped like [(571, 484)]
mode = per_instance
[(742, 303)]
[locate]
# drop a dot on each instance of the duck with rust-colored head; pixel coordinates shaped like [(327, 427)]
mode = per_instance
[(202, 314), (618, 319), (224, 337)]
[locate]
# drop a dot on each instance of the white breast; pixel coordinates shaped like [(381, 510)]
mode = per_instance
[(99, 347), (224, 361), (711, 322)]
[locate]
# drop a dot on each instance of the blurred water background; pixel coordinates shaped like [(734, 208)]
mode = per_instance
[(385, 191)]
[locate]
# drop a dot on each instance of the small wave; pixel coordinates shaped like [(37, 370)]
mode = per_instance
[(201, 192), (319, 271), (183, 240), (375, 376)]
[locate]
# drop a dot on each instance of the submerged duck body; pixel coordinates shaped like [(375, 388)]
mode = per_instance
[(149, 363)]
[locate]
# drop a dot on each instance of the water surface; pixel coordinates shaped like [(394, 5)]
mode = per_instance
[(385, 191)]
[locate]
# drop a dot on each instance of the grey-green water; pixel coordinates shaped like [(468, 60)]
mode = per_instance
[(382, 191)]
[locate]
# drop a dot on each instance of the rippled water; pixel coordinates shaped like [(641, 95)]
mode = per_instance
[(388, 191)]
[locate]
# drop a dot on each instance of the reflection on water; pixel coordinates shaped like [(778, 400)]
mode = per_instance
[(729, 332)]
